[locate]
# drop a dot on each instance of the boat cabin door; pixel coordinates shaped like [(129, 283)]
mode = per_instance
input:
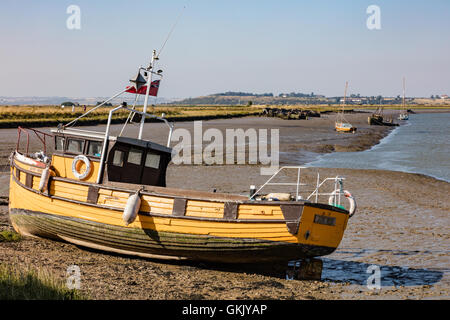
[(137, 164), (126, 165)]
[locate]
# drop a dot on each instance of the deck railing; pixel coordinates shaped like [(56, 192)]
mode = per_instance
[(298, 184), (39, 134)]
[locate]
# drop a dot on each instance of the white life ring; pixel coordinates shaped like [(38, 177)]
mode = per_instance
[(350, 199), (86, 172)]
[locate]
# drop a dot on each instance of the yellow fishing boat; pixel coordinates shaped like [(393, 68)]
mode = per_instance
[(344, 127), (109, 193)]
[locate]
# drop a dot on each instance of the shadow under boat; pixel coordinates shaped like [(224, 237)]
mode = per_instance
[(323, 269)]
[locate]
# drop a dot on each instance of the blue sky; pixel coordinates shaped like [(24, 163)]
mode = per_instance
[(248, 45)]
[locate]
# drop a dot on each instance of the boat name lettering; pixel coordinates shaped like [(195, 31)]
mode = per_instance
[(329, 221)]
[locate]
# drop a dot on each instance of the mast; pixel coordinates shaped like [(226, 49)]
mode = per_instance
[(149, 83), (345, 95), (343, 105), (403, 102)]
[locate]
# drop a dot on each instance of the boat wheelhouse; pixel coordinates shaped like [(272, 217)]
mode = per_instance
[(128, 160)]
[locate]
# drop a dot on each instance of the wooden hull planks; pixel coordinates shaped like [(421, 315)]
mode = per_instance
[(148, 242)]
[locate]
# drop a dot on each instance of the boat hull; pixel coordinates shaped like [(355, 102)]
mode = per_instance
[(345, 129), (152, 244)]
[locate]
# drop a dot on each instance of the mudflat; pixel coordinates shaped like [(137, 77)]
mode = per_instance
[(401, 227)]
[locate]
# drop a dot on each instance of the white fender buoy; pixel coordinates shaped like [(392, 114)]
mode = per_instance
[(132, 208), (86, 161), (350, 199), (43, 183)]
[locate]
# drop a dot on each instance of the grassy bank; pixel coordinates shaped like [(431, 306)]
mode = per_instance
[(39, 116), (19, 282), (26, 283)]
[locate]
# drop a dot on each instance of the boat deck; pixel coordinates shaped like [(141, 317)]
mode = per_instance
[(177, 192)]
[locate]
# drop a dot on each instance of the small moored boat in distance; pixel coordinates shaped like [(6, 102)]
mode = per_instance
[(341, 124), (109, 193), (404, 114)]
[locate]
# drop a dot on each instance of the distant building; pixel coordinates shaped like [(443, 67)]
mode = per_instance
[(444, 96), (354, 100)]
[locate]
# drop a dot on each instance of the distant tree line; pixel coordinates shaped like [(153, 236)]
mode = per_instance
[(239, 98), (108, 104), (69, 104), (297, 95)]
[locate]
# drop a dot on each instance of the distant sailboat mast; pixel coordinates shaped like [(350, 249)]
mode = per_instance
[(404, 113), (341, 124), (345, 97), (403, 93), (340, 117)]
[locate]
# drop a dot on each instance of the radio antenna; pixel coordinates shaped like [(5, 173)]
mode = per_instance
[(170, 32)]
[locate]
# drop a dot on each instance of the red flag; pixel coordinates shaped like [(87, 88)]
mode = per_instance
[(143, 90)]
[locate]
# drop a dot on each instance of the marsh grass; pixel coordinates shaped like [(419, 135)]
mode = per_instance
[(26, 283), (13, 116), (9, 236), (55, 113)]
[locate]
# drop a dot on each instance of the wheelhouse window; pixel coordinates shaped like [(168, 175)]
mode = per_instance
[(118, 158), (59, 143), (135, 156), (152, 160), (75, 145), (95, 148)]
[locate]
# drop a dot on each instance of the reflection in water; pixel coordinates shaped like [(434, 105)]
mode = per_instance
[(353, 272), (356, 273)]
